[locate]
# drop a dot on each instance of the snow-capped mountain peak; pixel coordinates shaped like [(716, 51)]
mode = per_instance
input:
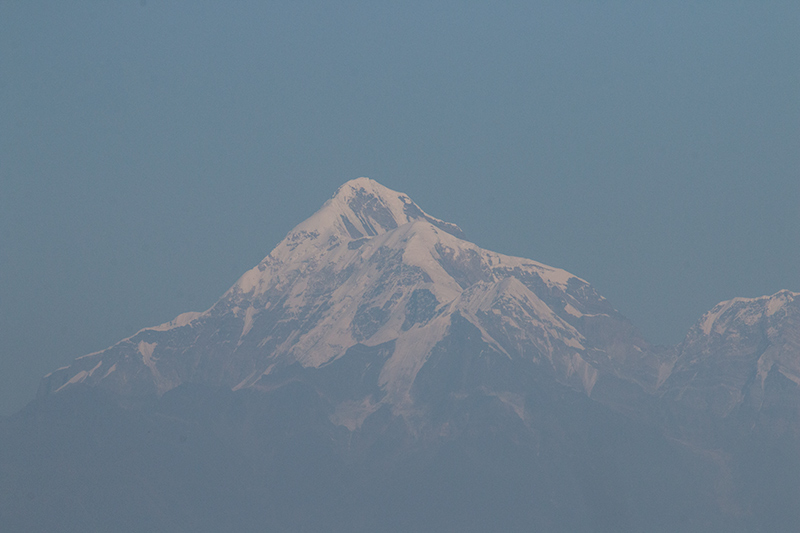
[(364, 208), (744, 310), (359, 210), (737, 349), (369, 270)]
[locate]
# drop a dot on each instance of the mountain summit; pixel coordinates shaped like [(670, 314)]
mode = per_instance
[(364, 208)]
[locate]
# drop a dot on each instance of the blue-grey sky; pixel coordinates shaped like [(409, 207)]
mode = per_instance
[(151, 152)]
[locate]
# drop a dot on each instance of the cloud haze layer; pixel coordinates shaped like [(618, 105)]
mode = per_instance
[(150, 153)]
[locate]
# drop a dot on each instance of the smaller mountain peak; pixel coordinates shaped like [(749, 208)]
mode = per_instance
[(744, 310)]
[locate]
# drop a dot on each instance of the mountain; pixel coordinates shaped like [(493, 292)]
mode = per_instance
[(379, 372), (371, 272), (733, 396), (739, 355)]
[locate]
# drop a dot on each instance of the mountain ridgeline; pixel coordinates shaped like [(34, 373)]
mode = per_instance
[(378, 372)]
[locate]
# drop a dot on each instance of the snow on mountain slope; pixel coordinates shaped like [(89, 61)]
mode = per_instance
[(732, 353), (370, 268)]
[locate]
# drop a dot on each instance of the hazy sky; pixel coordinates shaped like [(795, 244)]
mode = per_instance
[(151, 152)]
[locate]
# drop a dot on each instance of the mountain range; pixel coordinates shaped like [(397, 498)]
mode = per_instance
[(379, 372)]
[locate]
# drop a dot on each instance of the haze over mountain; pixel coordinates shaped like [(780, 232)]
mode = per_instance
[(378, 372)]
